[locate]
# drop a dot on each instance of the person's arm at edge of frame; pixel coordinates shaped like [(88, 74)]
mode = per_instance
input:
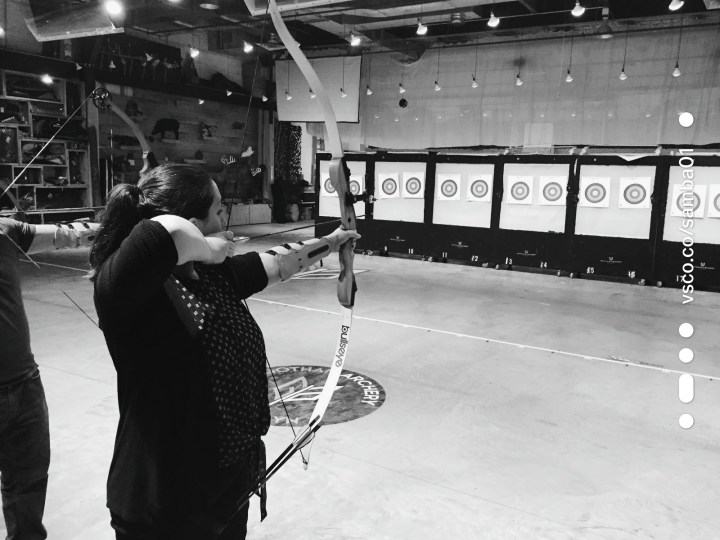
[(68, 235)]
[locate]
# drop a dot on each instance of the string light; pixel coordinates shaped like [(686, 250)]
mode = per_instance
[(675, 5)]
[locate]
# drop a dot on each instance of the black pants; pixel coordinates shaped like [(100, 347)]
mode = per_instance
[(200, 525), (24, 457)]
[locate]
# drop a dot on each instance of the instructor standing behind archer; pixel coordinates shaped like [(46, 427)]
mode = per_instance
[(24, 430)]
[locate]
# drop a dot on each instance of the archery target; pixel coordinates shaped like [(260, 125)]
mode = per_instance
[(479, 189), (413, 185), (520, 189), (594, 192), (448, 187), (327, 188), (356, 184), (634, 193), (389, 188), (714, 201), (552, 190), (688, 200)]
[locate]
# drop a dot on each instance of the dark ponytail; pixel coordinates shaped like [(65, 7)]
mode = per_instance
[(181, 190)]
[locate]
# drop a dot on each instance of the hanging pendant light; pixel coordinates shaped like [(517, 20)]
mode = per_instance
[(569, 77), (401, 90), (312, 94), (675, 5), (623, 75), (474, 83), (676, 71), (368, 91), (421, 29), (578, 10), (493, 21), (518, 80)]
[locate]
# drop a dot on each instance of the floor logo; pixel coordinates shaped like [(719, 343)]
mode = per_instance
[(300, 386)]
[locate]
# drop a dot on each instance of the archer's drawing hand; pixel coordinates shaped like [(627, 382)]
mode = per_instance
[(221, 246)]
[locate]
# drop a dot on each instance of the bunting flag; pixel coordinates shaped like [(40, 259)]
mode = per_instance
[(713, 201), (553, 190), (388, 183), (634, 192), (480, 188), (520, 189), (448, 187), (688, 199), (413, 185), (594, 192)]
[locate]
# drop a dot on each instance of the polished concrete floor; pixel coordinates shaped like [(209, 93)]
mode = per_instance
[(518, 406)]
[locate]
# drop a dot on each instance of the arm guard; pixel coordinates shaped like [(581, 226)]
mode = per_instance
[(74, 234), (292, 258)]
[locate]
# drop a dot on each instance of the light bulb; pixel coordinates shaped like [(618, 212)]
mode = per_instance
[(676, 71), (288, 97), (437, 87), (47, 79), (518, 80), (113, 7), (421, 29), (247, 47), (111, 65), (402, 89), (228, 93), (578, 10), (493, 21), (201, 101), (474, 83), (354, 40), (675, 5), (264, 97), (343, 93), (569, 77), (312, 94), (368, 91), (194, 52), (623, 75), (2, 31)]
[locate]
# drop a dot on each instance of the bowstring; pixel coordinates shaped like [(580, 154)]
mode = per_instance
[(249, 108)]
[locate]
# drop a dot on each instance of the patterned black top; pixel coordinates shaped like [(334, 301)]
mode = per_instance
[(233, 345), (177, 361)]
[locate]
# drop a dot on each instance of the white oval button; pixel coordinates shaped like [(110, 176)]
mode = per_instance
[(686, 388)]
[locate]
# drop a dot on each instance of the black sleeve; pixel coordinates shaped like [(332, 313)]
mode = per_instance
[(247, 273), (135, 273), (21, 233)]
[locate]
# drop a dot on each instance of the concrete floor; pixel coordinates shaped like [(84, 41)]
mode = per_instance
[(506, 415)]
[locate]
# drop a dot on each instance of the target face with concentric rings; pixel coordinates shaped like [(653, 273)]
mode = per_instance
[(634, 194), (520, 191), (413, 185), (479, 188), (696, 201), (354, 187), (329, 187), (552, 191), (595, 193), (716, 202), (389, 186), (448, 188)]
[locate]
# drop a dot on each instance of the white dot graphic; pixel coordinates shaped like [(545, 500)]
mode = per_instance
[(686, 355), (686, 421), (686, 330), (686, 119)]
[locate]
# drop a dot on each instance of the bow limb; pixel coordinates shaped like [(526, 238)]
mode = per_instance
[(101, 99), (339, 179)]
